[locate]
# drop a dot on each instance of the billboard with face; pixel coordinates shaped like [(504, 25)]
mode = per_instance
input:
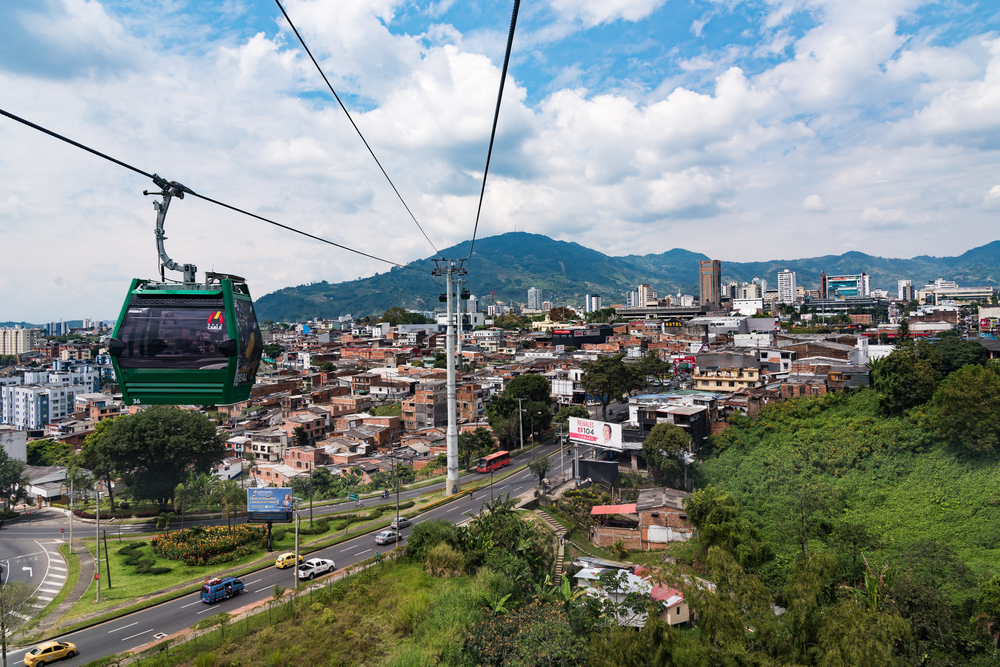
[(274, 504), (597, 433)]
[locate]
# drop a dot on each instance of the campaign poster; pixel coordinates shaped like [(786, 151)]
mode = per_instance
[(597, 433)]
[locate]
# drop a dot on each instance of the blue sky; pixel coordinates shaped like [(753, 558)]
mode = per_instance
[(744, 130)]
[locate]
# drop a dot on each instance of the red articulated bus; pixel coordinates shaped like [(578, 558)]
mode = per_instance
[(493, 461)]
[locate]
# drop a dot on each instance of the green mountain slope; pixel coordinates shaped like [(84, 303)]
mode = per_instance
[(510, 263)]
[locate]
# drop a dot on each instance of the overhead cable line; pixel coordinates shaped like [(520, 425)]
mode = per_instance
[(496, 115), (353, 124), (160, 181)]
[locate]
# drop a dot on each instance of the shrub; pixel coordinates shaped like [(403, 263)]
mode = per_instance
[(444, 561), (210, 545), (205, 660), (428, 534)]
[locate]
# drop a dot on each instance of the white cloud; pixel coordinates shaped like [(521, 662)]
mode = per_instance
[(992, 198), (814, 203), (894, 130), (596, 12)]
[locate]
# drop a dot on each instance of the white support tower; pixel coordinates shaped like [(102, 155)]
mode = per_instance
[(450, 269)]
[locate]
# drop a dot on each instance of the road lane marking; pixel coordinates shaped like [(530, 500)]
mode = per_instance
[(263, 589), (49, 590), (202, 612), (123, 627), (59, 567), (362, 552), (190, 605), (252, 582), (452, 509), (42, 597), (134, 636)]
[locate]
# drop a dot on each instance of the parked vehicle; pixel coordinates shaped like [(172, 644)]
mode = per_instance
[(401, 522), (315, 567), (48, 652), (220, 589), (386, 537), (286, 560)]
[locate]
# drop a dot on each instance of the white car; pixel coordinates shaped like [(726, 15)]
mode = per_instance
[(315, 567), (386, 537)]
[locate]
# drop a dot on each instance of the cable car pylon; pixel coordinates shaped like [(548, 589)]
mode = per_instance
[(451, 268)]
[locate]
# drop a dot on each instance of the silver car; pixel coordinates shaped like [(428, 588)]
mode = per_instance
[(386, 537), (401, 522)]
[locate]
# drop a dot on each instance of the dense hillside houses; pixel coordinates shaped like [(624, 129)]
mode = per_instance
[(344, 395)]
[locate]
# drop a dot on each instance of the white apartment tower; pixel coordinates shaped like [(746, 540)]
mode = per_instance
[(786, 286), (534, 298), (591, 303)]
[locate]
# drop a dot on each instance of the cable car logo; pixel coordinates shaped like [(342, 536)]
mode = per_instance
[(216, 321)]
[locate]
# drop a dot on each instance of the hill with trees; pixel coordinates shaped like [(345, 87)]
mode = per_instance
[(509, 264)]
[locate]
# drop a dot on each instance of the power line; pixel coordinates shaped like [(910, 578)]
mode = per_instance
[(496, 115), (353, 124), (161, 182)]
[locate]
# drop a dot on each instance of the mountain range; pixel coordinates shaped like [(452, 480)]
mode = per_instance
[(508, 264)]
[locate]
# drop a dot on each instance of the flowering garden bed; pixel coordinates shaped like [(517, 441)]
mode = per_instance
[(210, 545)]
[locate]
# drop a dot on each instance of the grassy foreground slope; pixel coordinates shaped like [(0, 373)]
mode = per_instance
[(830, 462)]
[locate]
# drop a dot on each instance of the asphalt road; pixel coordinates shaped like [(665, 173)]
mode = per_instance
[(130, 632)]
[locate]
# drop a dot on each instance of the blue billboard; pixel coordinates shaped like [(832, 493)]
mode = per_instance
[(269, 504)]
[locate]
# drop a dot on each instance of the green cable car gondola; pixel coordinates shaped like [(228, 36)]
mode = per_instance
[(185, 342)]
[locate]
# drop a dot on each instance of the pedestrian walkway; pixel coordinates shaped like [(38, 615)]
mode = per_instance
[(561, 536), (79, 590)]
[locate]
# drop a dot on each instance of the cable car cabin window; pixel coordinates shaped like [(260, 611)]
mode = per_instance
[(251, 344), (175, 336)]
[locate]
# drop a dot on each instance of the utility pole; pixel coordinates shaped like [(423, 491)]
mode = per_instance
[(520, 421), (97, 569), (450, 269)]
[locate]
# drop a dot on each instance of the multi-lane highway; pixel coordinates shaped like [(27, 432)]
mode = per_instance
[(134, 630)]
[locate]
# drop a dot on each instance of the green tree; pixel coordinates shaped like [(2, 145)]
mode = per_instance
[(96, 459), (154, 450), (13, 481), (539, 467), (653, 366), (950, 353), (473, 444), (567, 411), (530, 387), (301, 436), (663, 447), (272, 350), (16, 608), (607, 378), (966, 409), (902, 380), (722, 524), (48, 453)]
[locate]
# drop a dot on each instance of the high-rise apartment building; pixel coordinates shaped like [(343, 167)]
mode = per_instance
[(632, 299), (591, 303), (16, 341), (854, 285), (534, 298), (905, 290), (647, 296), (710, 281), (786, 286)]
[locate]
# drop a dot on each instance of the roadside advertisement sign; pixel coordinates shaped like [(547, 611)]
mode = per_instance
[(269, 504), (597, 433)]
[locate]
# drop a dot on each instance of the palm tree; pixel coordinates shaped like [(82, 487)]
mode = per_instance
[(231, 498)]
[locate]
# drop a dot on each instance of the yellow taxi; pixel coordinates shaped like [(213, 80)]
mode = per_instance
[(286, 560), (48, 652)]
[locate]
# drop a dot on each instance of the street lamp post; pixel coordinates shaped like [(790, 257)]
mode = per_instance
[(97, 569), (520, 421)]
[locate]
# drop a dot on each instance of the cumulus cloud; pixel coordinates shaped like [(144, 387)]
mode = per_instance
[(992, 198), (814, 203), (596, 12), (893, 128)]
